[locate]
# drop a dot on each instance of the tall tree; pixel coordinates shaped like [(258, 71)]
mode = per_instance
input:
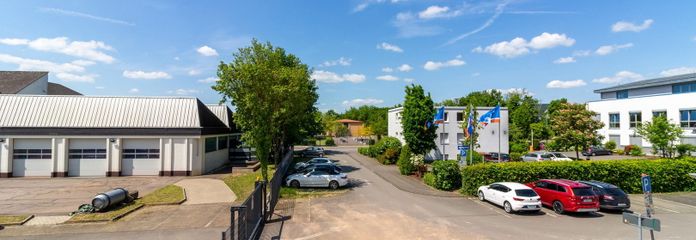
[(661, 134), (418, 112), (575, 127), (523, 114), (274, 98)]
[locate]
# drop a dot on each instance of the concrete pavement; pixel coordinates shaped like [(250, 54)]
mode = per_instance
[(206, 190)]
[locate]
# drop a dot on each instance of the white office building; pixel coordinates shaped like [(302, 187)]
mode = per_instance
[(451, 134), (621, 108)]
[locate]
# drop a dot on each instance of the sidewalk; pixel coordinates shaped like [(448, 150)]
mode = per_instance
[(390, 173)]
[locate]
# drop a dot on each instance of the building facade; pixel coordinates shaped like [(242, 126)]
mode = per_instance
[(623, 107), (60, 136), (354, 126), (450, 134)]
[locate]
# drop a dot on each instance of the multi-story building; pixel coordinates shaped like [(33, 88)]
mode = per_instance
[(623, 107), (450, 134)]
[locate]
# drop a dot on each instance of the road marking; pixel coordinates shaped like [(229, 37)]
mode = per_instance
[(674, 203), (552, 214), (489, 207), (669, 210)]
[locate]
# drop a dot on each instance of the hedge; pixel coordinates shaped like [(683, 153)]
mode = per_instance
[(668, 175), (447, 176), (386, 151)]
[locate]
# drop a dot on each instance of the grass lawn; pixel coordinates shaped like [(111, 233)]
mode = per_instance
[(12, 219), (243, 184), (170, 194), (291, 193)]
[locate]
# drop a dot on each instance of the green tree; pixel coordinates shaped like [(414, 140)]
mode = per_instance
[(274, 97), (523, 114), (661, 134), (575, 127), (418, 111)]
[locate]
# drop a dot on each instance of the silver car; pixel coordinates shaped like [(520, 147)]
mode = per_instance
[(318, 177), (536, 157), (301, 165)]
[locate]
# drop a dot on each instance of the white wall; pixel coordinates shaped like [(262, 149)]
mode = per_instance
[(671, 103), (38, 87)]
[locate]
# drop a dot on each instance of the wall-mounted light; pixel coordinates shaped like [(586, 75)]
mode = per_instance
[(113, 140), (2, 140)]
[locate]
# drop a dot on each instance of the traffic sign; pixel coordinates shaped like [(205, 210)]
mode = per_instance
[(645, 180), (647, 223)]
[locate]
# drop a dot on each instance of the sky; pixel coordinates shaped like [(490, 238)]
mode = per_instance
[(362, 52)]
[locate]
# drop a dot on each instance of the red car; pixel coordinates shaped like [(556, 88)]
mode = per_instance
[(565, 195)]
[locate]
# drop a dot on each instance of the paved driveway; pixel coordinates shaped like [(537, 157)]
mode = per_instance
[(59, 196)]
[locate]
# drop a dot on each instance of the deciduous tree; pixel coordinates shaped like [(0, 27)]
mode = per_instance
[(575, 127), (418, 112), (661, 134)]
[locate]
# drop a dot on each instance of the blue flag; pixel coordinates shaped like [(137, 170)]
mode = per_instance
[(491, 116), (439, 116)]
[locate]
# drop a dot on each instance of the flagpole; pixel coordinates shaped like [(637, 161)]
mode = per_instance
[(499, 133), (473, 131)]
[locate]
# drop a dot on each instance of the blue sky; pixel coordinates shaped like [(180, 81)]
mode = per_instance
[(362, 52)]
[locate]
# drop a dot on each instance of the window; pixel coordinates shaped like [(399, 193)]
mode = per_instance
[(210, 144), (614, 120), (684, 88), (541, 185), (140, 153), (583, 191), (32, 154), (446, 117), (560, 188), (460, 137), (622, 94), (659, 114), (460, 116), (444, 138), (99, 153), (635, 119), (222, 143), (525, 193), (687, 118), (552, 186)]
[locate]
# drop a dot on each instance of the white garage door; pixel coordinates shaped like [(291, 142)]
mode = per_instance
[(32, 157), (87, 157), (140, 157)]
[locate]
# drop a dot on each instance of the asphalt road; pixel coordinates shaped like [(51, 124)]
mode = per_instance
[(375, 209)]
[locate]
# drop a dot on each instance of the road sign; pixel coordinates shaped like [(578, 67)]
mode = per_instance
[(645, 180), (646, 223)]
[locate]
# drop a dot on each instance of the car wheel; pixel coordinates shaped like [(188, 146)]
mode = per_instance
[(295, 184), (333, 185), (558, 207), (481, 197), (507, 207)]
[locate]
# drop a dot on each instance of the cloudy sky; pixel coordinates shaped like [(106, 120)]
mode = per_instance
[(362, 51)]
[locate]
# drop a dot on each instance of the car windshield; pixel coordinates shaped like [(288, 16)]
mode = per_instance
[(559, 155), (546, 155), (525, 193), (615, 191), (583, 191)]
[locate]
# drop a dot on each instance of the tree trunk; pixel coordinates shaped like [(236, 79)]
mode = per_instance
[(577, 155)]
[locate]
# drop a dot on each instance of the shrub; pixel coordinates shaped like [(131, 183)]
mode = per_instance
[(476, 158), (447, 175), (668, 175), (329, 142), (386, 143), (636, 151), (364, 151), (429, 179), (611, 145), (516, 156), (619, 151), (404, 162), (389, 156), (519, 147), (685, 149)]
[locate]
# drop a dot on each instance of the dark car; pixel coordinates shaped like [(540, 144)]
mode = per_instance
[(327, 167), (493, 157), (311, 152), (596, 150), (610, 197)]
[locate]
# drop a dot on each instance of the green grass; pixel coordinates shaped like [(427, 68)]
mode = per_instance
[(12, 219), (170, 194), (292, 193), (243, 184), (111, 215)]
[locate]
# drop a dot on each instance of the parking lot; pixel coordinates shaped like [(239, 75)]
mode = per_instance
[(378, 210)]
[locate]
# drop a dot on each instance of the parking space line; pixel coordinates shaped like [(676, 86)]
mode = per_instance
[(489, 207), (674, 203), (552, 214)]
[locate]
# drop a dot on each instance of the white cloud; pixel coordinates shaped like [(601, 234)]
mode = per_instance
[(619, 77), (387, 69), (331, 77), (207, 51), (564, 60), (208, 80), (194, 72), (83, 63), (608, 49), (476, 74), (69, 77), (409, 80), (623, 26), (361, 101), (678, 71), (389, 47), (520, 46), (91, 50), (432, 66), (182, 91), (26, 64), (582, 53), (498, 10), (86, 15), (521, 91), (134, 90), (405, 68), (409, 25), (100, 87), (366, 3), (177, 58), (438, 12), (566, 84), (340, 61), (360, 7), (387, 78), (146, 75)]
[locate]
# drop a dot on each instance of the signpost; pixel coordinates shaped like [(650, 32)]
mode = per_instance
[(462, 152)]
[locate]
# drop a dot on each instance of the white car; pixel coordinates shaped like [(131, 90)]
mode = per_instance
[(511, 196), (556, 156), (318, 177)]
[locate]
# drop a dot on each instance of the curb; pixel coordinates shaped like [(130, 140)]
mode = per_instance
[(174, 203), (105, 220), (20, 222)]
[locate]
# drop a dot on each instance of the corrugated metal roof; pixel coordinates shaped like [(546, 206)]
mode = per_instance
[(221, 111), (651, 83), (98, 112)]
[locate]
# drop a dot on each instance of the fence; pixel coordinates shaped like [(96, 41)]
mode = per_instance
[(247, 220)]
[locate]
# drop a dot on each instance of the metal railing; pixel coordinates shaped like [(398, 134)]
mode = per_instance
[(247, 220)]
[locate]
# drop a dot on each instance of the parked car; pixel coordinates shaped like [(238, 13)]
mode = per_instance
[(556, 156), (565, 195), (610, 197), (596, 150), (536, 157), (311, 152), (493, 157), (323, 166), (318, 177), (301, 165), (511, 196)]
